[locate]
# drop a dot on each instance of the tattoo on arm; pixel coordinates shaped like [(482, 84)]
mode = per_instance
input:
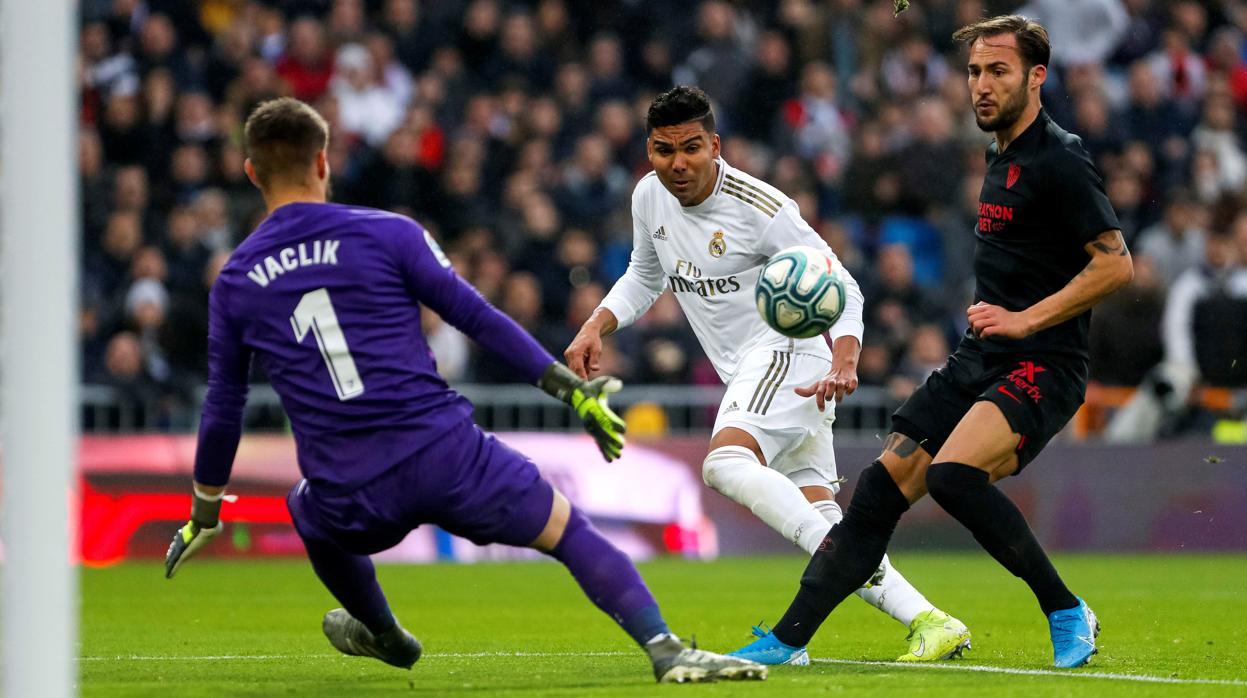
[(1111, 243), (900, 444)]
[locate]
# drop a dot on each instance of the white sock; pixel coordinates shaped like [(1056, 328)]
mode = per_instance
[(892, 593), (736, 473)]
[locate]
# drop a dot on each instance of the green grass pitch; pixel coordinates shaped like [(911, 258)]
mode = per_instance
[(253, 628)]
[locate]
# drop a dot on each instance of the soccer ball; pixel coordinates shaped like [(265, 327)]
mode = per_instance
[(800, 292)]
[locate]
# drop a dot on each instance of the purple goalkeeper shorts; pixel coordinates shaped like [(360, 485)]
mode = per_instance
[(469, 484)]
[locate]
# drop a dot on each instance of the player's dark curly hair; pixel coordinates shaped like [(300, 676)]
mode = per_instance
[(680, 105), (1032, 38)]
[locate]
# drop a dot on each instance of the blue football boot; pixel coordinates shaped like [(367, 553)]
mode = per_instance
[(1074, 631), (767, 649)]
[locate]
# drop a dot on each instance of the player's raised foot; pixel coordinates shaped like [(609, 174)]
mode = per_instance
[(675, 663), (935, 635), (767, 649), (395, 647), (1074, 631)]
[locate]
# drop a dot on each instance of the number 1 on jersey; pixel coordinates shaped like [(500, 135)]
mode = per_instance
[(315, 313)]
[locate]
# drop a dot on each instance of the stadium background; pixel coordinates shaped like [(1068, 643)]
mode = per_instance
[(513, 131)]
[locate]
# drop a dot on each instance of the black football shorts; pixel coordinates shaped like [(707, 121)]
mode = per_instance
[(1037, 394)]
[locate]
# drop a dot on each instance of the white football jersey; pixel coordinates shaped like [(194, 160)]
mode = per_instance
[(710, 255)]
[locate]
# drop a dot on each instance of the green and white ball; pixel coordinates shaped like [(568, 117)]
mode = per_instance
[(801, 292)]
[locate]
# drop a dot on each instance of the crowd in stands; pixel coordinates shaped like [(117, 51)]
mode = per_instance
[(513, 131)]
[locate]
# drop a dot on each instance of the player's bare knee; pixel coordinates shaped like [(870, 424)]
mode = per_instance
[(909, 473)]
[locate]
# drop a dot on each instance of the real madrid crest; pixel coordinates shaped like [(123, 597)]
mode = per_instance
[(717, 244)]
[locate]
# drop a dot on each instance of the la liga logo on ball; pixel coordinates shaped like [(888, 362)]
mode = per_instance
[(800, 292)]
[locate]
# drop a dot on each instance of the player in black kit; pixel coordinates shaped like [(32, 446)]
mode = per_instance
[(1049, 249)]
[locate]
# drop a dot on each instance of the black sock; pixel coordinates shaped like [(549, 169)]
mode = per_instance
[(967, 494), (849, 554)]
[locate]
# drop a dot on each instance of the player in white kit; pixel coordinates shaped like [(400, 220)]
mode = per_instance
[(705, 229)]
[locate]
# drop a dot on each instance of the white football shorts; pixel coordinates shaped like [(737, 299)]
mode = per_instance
[(794, 435)]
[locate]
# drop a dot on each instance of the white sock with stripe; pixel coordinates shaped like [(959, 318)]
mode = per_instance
[(891, 593), (736, 473)]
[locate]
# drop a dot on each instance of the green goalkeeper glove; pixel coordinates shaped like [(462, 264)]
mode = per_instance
[(588, 398), (204, 525)]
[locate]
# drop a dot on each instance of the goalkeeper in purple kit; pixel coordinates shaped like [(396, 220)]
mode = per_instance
[(326, 298)]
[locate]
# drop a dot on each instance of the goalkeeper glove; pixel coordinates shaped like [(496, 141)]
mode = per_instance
[(204, 525), (588, 398)]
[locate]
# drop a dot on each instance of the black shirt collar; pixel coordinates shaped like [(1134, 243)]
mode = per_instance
[(1026, 138)]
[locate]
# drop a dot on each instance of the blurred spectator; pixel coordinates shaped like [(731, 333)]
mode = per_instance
[(478, 36), (1226, 58), (768, 86), (930, 178), (1205, 320), (305, 65), (346, 22), (125, 371), (1083, 31), (216, 229), (666, 348), (607, 77), (518, 58), (184, 250), (872, 181), (1181, 71), (122, 131), (1125, 329), (1217, 134), (1152, 118), (1094, 122), (1125, 193), (109, 267), (366, 107), (412, 32), (1141, 33), (93, 186), (927, 351), (895, 303), (957, 225), (105, 73), (720, 56), (913, 69), (814, 125), (146, 308), (1176, 242), (593, 185), (158, 48)]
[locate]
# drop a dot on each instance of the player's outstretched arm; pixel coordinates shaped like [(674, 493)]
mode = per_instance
[(588, 398), (204, 525), (220, 428), (1109, 269)]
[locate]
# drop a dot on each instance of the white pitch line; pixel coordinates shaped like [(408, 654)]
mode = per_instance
[(979, 668), (1068, 674)]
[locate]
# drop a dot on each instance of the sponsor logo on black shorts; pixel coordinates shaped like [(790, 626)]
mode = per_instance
[(1023, 379)]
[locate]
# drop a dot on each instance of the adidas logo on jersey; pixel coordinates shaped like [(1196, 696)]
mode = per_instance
[(661, 233), (731, 408)]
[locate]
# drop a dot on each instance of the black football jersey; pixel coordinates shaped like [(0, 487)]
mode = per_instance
[(1042, 201)]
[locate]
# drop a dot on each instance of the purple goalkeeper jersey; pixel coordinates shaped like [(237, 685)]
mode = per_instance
[(327, 297)]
